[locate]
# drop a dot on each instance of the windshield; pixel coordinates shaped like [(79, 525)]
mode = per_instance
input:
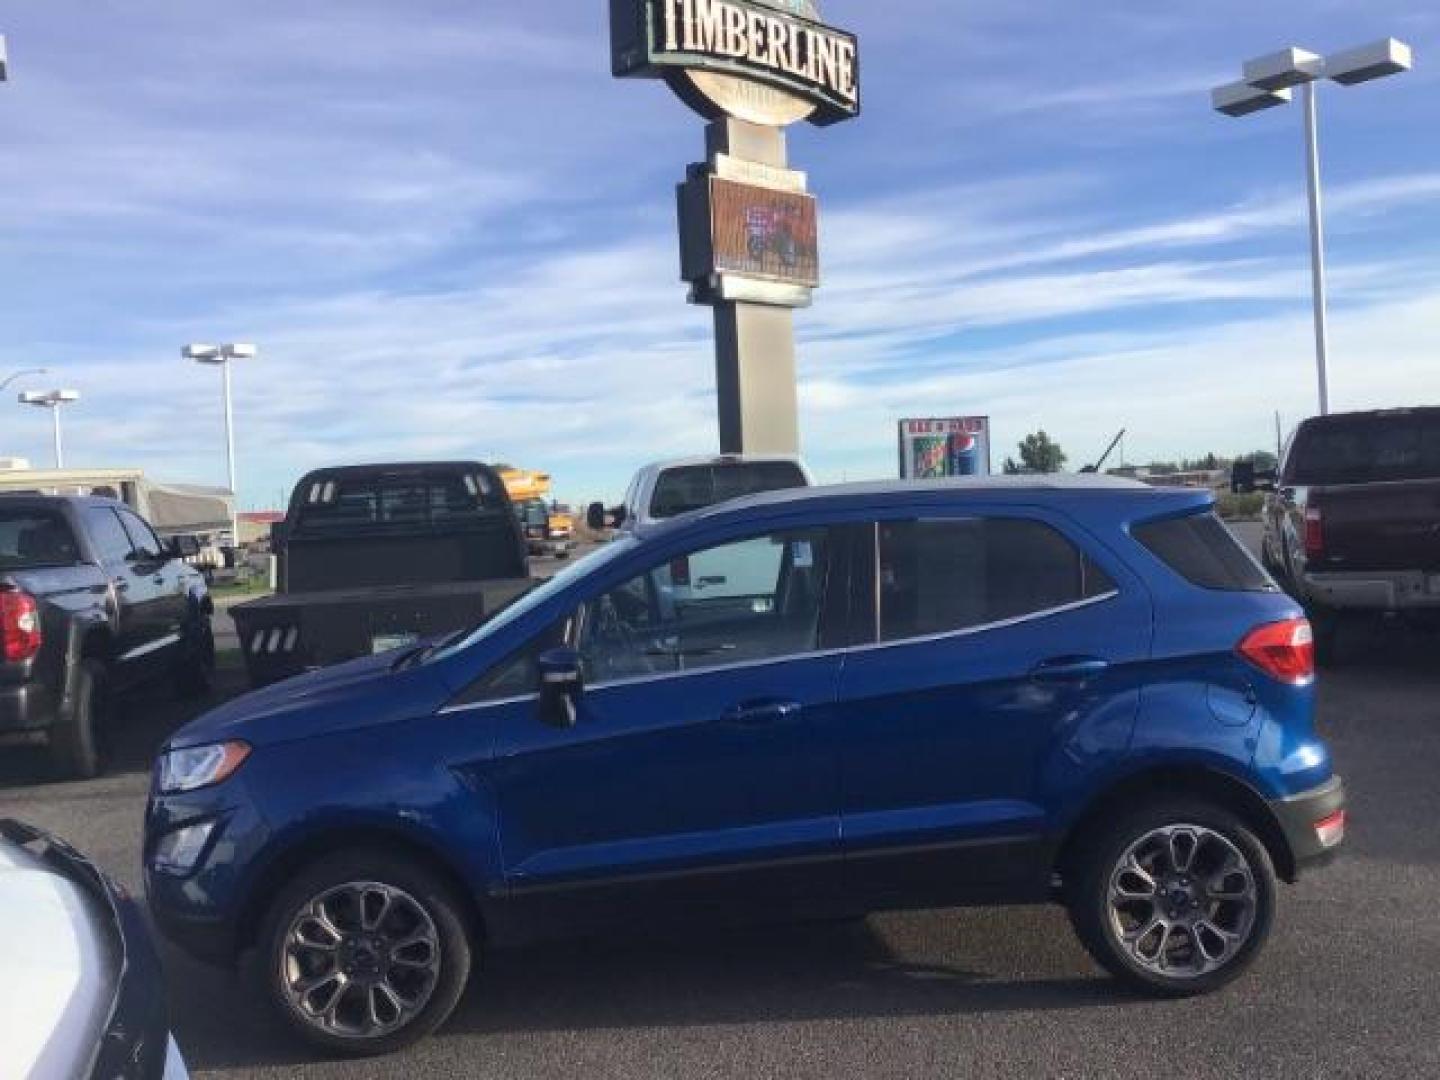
[(1367, 449), (531, 600), (34, 538)]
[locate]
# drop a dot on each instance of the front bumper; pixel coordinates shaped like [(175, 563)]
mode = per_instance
[(1299, 815), (1377, 590)]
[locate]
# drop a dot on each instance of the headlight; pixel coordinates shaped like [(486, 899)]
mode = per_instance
[(200, 766)]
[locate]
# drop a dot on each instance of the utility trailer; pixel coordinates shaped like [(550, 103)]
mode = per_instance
[(378, 557)]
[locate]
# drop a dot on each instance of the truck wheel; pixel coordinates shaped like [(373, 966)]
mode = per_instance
[(195, 668), (1176, 898), (364, 953), (77, 742)]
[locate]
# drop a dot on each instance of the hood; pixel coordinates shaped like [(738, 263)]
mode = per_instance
[(60, 971), (320, 703)]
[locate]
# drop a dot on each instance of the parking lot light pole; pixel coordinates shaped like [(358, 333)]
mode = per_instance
[(1268, 81), (221, 356), (52, 400)]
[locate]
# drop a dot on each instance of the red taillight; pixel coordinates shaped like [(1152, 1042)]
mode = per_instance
[(680, 572), (1283, 650), (1314, 533), (19, 626)]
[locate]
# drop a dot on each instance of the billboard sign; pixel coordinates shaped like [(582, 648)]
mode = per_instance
[(936, 449), (766, 61)]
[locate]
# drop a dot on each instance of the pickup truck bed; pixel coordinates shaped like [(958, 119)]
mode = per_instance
[(287, 634)]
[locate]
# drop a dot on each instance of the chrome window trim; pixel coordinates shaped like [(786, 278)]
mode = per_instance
[(999, 624), (814, 654), (471, 706)]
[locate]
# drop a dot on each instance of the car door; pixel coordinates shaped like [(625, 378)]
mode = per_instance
[(1002, 664), (159, 592), (133, 592), (698, 774)]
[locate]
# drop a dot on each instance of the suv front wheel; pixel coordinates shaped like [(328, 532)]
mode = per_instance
[(1176, 898), (364, 953)]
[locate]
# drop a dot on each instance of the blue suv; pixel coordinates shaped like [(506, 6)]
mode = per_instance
[(818, 702)]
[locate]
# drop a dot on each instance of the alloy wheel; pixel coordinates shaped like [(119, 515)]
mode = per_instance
[(1182, 901), (360, 960)]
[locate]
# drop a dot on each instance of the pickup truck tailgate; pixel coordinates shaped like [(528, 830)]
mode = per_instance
[(1394, 526), (290, 633)]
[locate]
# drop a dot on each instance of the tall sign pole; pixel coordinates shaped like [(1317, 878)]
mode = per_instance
[(749, 237)]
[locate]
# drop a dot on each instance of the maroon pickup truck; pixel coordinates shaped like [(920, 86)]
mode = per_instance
[(1352, 521)]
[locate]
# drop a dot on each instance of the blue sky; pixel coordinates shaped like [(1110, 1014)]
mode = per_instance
[(452, 233)]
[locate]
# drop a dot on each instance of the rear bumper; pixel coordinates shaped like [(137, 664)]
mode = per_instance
[(1299, 815), (26, 708), (1373, 590)]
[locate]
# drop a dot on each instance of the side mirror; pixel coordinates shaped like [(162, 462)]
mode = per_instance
[(598, 518), (561, 684), (183, 547)]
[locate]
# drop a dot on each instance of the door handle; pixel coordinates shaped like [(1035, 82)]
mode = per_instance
[(761, 712), (158, 579), (1069, 669)]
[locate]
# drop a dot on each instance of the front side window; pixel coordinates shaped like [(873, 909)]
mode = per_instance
[(938, 577), (107, 534), (143, 541), (753, 599)]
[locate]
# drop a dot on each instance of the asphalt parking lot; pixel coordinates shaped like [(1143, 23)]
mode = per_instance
[(1347, 987)]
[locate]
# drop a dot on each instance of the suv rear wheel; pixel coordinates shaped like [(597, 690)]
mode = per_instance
[(1176, 898), (364, 953)]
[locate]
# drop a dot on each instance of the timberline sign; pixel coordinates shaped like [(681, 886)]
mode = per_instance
[(766, 62)]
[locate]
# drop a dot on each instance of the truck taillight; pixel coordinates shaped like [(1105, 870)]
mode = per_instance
[(19, 626), (1283, 650), (1314, 533)]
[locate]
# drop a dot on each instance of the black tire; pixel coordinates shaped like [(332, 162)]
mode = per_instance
[(79, 738), (274, 965), (1101, 928), (194, 675)]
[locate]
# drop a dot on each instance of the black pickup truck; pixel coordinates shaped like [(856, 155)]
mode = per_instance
[(92, 603), (1352, 520), (376, 557)]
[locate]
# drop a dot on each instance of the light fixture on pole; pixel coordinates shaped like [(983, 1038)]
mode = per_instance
[(221, 356), (1269, 81), (21, 374), (52, 400)]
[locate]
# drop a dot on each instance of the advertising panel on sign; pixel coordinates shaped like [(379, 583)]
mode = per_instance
[(936, 449), (763, 232)]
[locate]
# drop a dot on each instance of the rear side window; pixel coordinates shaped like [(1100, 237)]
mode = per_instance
[(694, 487), (1204, 552), (35, 538), (938, 577)]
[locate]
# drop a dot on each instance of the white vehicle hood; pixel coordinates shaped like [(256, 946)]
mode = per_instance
[(60, 970)]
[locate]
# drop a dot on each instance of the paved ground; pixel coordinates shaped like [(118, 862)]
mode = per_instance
[(1347, 988)]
